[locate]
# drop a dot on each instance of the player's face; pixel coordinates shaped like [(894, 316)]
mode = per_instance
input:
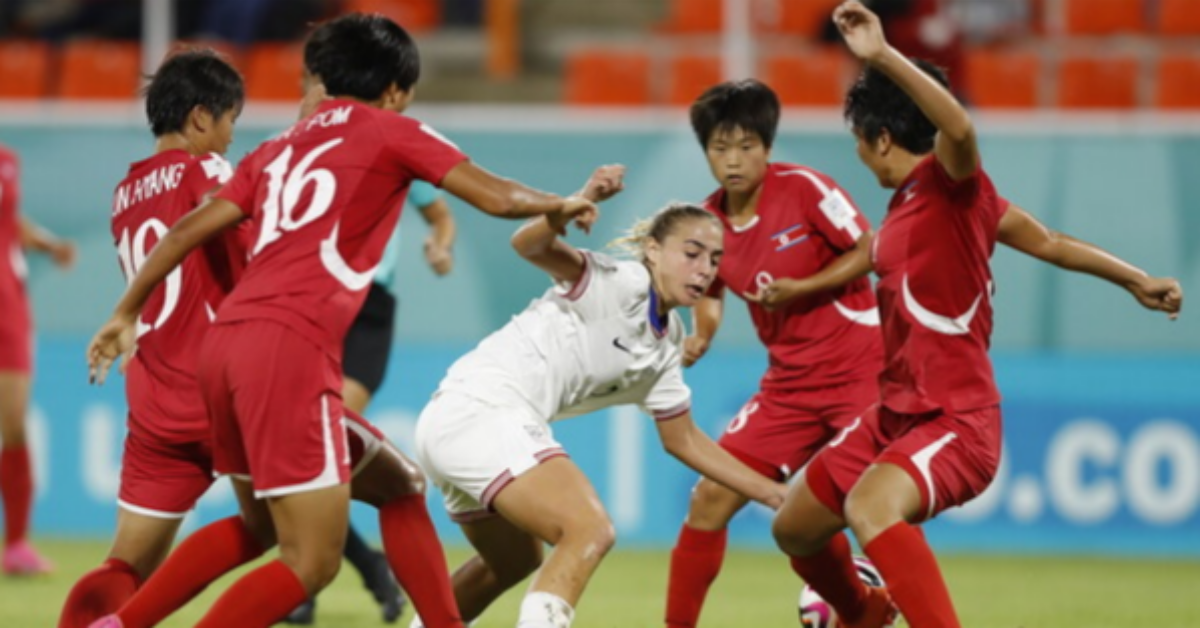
[(685, 263), (738, 159), (870, 154), (222, 132)]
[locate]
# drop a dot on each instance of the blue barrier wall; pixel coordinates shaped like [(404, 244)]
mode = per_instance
[(1102, 454)]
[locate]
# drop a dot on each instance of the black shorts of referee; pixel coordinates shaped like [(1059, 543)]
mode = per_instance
[(369, 341)]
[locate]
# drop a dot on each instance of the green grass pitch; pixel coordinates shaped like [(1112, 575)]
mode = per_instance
[(755, 589)]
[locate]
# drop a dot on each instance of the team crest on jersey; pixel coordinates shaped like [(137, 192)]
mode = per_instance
[(790, 237)]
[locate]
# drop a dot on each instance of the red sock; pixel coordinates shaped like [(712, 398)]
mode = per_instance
[(912, 576), (832, 574), (207, 554), (16, 488), (99, 592), (258, 599), (695, 563), (415, 555)]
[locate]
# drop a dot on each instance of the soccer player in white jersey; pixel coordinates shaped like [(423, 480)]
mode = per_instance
[(604, 335)]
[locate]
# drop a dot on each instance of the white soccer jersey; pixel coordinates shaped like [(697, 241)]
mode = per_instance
[(583, 347)]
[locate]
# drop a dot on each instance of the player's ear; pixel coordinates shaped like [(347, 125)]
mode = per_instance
[(200, 119), (884, 143), (652, 249)]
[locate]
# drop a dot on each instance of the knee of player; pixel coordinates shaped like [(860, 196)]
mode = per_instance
[(713, 503), (791, 536), (596, 535), (868, 514)]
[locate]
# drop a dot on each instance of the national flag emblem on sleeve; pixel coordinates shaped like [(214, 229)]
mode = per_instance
[(790, 237)]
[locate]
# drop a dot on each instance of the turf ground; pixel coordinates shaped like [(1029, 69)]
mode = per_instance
[(755, 590)]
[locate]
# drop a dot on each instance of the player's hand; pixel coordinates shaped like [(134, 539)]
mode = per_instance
[(440, 259), (1163, 294), (63, 253), (115, 339), (779, 293), (861, 29), (604, 183), (774, 498), (694, 348), (583, 212)]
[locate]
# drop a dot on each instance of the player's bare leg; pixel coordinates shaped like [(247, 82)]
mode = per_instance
[(712, 506), (812, 536), (555, 502), (506, 556), (16, 476), (355, 396), (142, 541)]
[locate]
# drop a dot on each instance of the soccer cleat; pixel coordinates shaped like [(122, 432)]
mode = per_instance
[(303, 615), (20, 559), (387, 593), (109, 621), (880, 613)]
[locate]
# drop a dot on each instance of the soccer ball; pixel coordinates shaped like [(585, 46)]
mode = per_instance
[(817, 613)]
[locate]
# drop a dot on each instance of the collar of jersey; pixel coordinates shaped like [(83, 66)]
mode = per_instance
[(657, 323)]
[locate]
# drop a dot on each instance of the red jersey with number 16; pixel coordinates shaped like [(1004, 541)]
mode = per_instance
[(803, 222), (325, 197), (935, 291), (160, 386)]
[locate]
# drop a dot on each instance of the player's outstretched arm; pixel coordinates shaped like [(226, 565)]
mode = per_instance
[(706, 319), (1021, 231), (682, 439), (35, 238), (440, 243), (116, 337), (537, 240), (497, 196), (849, 266), (955, 146)]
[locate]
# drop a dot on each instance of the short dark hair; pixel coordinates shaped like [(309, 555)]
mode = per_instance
[(189, 79), (876, 103), (360, 55), (747, 104)]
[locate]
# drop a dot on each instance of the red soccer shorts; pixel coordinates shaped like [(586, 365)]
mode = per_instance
[(274, 399), (778, 431), (163, 480), (16, 336), (951, 457)]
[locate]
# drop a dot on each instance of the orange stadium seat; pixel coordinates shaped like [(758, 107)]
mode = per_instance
[(273, 72), (607, 77), (690, 75), (1003, 78), (1178, 82), (24, 66), (98, 69), (413, 15), (799, 17), (1178, 17), (1098, 82), (1105, 17), (694, 16), (817, 78)]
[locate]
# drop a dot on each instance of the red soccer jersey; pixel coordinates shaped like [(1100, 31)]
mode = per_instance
[(804, 221), (931, 254), (12, 256), (325, 197), (161, 388)]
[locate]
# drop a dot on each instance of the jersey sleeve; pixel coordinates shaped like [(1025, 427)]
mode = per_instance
[(240, 188), (670, 397), (962, 193), (605, 285), (833, 214), (422, 194), (419, 150)]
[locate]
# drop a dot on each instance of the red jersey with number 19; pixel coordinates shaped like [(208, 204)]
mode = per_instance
[(935, 283), (325, 196), (161, 389), (803, 222)]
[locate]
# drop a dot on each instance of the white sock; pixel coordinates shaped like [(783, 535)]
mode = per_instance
[(545, 610)]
